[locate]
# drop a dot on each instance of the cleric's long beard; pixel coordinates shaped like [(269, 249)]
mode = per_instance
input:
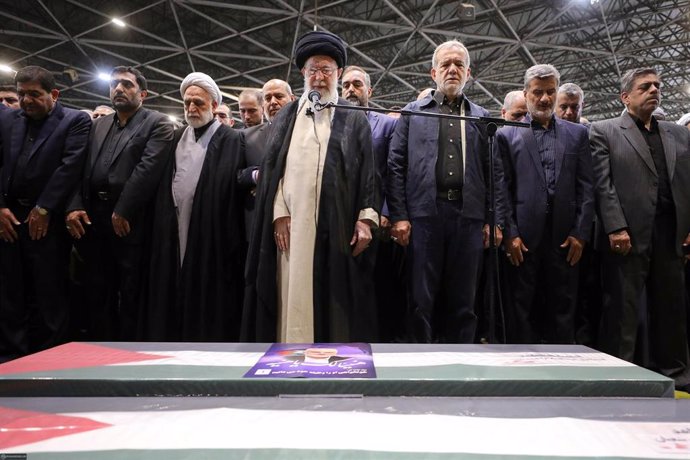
[(198, 122), (327, 94)]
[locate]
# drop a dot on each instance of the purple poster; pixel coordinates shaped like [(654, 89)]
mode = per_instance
[(315, 360)]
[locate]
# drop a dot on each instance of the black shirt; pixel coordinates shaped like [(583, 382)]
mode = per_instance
[(449, 169), (656, 148), (99, 178)]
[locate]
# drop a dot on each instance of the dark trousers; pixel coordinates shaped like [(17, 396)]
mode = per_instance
[(444, 261), (588, 310), (112, 277), (660, 269), (391, 293), (34, 312), (544, 279)]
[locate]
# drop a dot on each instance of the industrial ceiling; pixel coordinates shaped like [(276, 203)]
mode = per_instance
[(245, 43)]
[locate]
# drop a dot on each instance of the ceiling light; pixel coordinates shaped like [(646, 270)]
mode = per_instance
[(119, 22), (104, 76), (172, 118), (6, 68)]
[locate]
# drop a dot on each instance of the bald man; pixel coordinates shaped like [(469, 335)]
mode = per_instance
[(276, 94), (514, 106)]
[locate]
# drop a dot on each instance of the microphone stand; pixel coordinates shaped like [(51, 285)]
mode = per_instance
[(494, 302)]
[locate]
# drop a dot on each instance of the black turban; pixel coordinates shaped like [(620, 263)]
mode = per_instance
[(320, 44)]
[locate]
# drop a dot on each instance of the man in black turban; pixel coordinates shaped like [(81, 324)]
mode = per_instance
[(309, 274)]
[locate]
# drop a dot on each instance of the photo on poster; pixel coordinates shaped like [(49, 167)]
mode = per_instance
[(315, 360)]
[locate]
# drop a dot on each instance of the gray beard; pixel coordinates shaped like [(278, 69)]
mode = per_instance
[(206, 117)]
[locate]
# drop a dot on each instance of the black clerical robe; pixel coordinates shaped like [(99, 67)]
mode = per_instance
[(344, 299), (201, 300)]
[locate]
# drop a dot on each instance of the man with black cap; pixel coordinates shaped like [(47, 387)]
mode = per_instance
[(309, 275)]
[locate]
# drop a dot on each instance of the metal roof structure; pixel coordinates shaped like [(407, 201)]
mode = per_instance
[(245, 43)]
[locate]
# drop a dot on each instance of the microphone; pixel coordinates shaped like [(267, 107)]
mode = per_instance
[(314, 97)]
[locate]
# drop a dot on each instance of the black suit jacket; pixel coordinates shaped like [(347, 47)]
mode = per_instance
[(55, 160), (255, 150), (138, 162)]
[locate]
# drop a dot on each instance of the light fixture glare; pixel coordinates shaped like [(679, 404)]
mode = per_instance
[(118, 22)]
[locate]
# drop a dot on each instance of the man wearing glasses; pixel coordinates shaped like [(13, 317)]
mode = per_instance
[(309, 275), (128, 151)]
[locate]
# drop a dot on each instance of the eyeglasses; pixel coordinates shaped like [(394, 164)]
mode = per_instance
[(325, 71)]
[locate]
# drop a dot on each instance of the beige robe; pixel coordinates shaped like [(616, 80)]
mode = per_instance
[(298, 197)]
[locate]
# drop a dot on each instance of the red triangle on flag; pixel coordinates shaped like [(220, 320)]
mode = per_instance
[(74, 355), (19, 427)]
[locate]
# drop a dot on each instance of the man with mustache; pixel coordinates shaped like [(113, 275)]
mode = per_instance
[(308, 269), (438, 199), (570, 102), (642, 171), (548, 185), (109, 215), (42, 151), (276, 94), (196, 273), (390, 257)]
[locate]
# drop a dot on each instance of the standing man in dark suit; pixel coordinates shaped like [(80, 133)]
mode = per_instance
[(642, 171), (276, 94), (128, 151), (43, 150), (390, 257), (548, 185), (438, 201)]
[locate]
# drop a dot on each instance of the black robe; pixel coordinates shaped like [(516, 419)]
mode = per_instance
[(344, 298), (202, 300)]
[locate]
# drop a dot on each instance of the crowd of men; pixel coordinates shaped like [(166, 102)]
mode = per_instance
[(324, 220)]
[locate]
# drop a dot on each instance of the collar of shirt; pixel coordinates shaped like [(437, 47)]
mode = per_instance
[(441, 99), (116, 119), (653, 125), (536, 125)]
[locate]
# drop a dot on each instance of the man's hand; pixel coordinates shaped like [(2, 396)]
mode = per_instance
[(498, 235), (281, 233), (38, 224), (400, 232), (120, 225), (360, 238), (74, 223), (514, 250), (620, 242), (575, 252), (384, 228), (7, 223)]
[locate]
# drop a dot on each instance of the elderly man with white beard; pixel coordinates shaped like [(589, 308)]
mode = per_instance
[(196, 272), (308, 270)]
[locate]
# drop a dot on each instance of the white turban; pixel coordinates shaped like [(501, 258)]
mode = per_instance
[(204, 82), (684, 120)]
